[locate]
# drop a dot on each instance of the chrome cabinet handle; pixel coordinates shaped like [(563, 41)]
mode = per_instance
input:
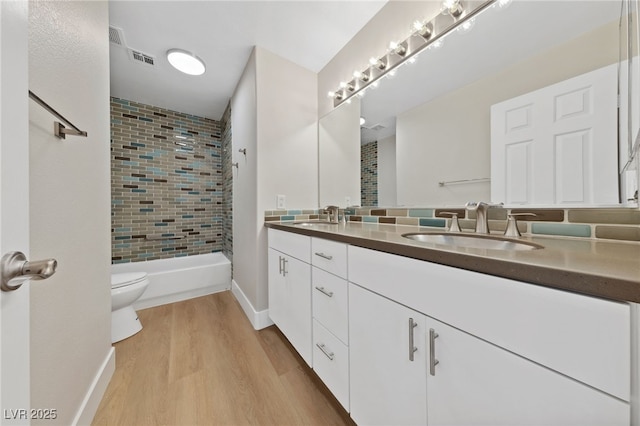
[(432, 351), (280, 265), (324, 256), (284, 266), (412, 348), (325, 351), (325, 292), (14, 265)]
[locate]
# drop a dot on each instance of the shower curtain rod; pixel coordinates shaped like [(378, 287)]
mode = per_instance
[(58, 128)]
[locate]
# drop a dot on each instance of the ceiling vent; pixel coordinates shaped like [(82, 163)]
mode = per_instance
[(116, 36), (142, 58)]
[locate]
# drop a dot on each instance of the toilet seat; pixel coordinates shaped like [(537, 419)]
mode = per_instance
[(128, 278)]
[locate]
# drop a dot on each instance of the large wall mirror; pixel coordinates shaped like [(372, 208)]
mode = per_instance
[(434, 125)]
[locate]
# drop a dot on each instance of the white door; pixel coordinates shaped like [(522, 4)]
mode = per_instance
[(558, 145), (478, 383), (14, 208), (387, 378)]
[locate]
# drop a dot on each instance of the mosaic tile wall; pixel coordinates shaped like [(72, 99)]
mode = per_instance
[(227, 185), (612, 224), (166, 183), (369, 174)]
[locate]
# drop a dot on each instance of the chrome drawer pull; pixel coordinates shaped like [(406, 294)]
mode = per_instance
[(280, 265), (325, 292), (432, 351), (412, 348), (324, 256), (324, 350)]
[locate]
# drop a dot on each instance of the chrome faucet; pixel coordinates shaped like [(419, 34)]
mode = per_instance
[(482, 218), (332, 211)]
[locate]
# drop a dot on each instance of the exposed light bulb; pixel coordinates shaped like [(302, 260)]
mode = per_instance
[(422, 29), (377, 63), (343, 84), (362, 76), (331, 94), (398, 49), (362, 121), (436, 44), (452, 7), (466, 26)]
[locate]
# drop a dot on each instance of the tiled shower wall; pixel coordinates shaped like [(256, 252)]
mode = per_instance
[(227, 185), (166, 183), (369, 174)]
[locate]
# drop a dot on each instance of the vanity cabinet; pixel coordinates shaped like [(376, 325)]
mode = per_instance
[(478, 383), (388, 361), (308, 303), (330, 316), (495, 351), (290, 288), (404, 341)]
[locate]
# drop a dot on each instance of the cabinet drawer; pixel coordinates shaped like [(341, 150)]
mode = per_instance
[(331, 363), (330, 304), (295, 245), (583, 337), (330, 256)]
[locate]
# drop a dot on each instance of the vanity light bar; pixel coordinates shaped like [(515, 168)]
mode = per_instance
[(401, 52)]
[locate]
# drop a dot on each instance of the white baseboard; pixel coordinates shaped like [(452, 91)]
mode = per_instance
[(96, 391), (178, 297), (259, 320)]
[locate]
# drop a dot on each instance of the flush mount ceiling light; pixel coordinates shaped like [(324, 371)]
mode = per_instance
[(185, 62)]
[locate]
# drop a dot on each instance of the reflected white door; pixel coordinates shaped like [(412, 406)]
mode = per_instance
[(14, 209), (558, 145)]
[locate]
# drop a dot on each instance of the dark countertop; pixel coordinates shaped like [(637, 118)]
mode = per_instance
[(608, 269)]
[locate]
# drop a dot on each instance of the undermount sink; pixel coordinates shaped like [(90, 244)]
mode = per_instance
[(472, 241), (312, 223)]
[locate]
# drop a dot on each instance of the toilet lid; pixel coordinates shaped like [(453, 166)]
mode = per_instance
[(128, 278)]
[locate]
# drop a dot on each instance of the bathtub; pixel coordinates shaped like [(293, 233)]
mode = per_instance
[(180, 278)]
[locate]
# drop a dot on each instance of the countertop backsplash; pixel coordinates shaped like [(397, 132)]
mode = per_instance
[(596, 223)]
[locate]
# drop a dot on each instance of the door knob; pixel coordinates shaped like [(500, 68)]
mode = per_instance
[(14, 265)]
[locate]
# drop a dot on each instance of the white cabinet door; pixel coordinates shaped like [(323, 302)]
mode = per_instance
[(277, 297), (290, 300), (387, 387), (557, 145), (477, 383)]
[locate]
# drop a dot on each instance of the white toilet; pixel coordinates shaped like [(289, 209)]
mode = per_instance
[(125, 289)]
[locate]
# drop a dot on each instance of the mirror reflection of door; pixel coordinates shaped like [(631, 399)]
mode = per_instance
[(440, 106)]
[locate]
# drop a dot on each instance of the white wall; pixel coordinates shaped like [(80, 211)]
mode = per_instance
[(245, 184), (387, 181), (70, 206), (274, 116), (338, 150)]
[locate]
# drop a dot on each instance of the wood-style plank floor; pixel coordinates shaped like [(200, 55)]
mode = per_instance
[(200, 362)]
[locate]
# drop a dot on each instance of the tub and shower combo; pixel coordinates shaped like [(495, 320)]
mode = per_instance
[(163, 281)]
